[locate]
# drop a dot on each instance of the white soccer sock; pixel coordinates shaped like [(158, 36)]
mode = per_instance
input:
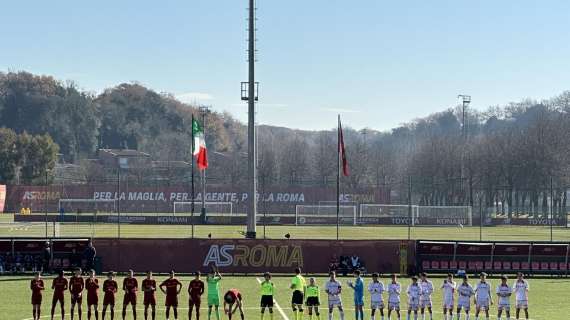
[(330, 316), (415, 316), (342, 315)]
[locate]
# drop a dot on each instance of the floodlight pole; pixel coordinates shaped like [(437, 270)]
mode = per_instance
[(46, 204), (480, 218), (466, 100), (192, 194), (204, 110), (551, 220), (251, 152), (410, 214), (118, 201)]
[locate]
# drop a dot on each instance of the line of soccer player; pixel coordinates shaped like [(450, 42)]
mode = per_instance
[(419, 294), (171, 287)]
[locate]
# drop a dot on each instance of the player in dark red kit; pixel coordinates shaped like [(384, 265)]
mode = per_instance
[(173, 287), (76, 286), (130, 286), (233, 302), (37, 285), (195, 291), (110, 287), (59, 286), (92, 287), (149, 289)]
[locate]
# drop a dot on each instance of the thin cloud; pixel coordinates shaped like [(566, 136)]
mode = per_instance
[(340, 110), (191, 97)]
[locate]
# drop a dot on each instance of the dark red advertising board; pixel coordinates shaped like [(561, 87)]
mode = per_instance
[(246, 256), (162, 199)]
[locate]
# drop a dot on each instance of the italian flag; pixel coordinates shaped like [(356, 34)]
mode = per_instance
[(199, 145)]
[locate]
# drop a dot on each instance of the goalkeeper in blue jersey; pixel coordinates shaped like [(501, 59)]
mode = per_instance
[(358, 287)]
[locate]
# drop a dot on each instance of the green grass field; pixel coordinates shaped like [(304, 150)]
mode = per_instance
[(504, 233), (548, 299)]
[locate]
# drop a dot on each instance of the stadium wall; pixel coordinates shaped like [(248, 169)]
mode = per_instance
[(278, 220), (250, 256)]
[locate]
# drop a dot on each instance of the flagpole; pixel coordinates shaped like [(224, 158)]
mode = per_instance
[(192, 177), (338, 178)]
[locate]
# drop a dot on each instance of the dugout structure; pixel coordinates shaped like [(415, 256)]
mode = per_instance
[(66, 253), (494, 257)]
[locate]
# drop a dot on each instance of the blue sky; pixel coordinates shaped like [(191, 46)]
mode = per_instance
[(378, 63)]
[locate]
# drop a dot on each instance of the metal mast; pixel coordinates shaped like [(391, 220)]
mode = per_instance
[(251, 152)]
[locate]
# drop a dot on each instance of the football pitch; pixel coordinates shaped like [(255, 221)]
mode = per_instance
[(548, 299), (499, 233)]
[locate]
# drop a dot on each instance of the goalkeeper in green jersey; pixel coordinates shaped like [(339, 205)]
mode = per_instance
[(267, 293), (213, 281)]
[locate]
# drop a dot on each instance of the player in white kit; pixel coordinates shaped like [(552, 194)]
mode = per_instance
[(376, 288), (504, 292), (414, 292), (464, 293), (483, 298), (333, 289), (448, 288), (394, 290), (520, 288), (425, 298)]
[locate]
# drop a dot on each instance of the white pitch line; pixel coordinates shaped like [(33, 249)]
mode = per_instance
[(57, 315), (283, 315)]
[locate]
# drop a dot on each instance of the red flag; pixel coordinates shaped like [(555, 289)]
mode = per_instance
[(341, 149)]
